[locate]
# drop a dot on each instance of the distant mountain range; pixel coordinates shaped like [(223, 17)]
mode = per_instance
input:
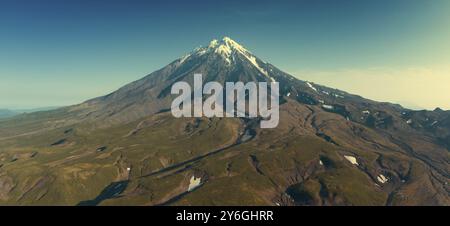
[(125, 148), (6, 113)]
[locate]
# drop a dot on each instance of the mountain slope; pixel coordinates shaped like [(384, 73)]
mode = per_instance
[(6, 113), (330, 148)]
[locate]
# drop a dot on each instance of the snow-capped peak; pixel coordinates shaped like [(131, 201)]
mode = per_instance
[(227, 48), (232, 44)]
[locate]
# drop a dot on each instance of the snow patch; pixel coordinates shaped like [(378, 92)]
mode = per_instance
[(252, 60), (194, 183), (382, 179), (326, 106), (288, 94), (213, 43), (337, 95), (311, 86), (184, 58), (224, 51), (351, 159)]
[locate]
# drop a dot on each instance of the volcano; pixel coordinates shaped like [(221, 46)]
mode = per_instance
[(126, 148)]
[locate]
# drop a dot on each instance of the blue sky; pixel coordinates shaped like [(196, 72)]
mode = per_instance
[(55, 53)]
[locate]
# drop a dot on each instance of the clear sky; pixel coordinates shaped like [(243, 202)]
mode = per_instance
[(55, 53)]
